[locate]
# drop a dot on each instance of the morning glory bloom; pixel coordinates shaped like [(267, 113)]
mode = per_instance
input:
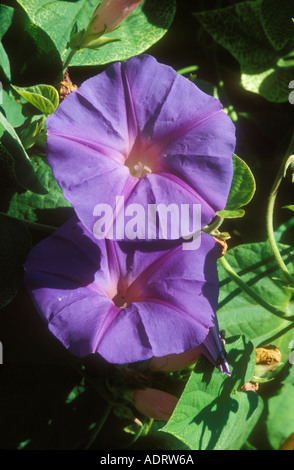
[(139, 133), (123, 300)]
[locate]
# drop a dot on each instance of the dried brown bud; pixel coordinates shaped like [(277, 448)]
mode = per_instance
[(250, 386), (289, 443), (222, 244), (65, 88), (268, 355)]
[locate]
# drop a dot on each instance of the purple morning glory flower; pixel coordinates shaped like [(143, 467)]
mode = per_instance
[(126, 301), (141, 133)]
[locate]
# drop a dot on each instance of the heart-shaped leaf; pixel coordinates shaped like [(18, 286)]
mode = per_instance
[(213, 413), (240, 314), (241, 192), (23, 168), (144, 27)]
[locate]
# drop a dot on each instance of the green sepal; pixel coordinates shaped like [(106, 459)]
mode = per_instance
[(82, 39), (101, 41), (264, 373)]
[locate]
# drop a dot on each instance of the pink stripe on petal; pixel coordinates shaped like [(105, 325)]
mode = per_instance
[(180, 182), (164, 141), (106, 151), (109, 317), (138, 285)]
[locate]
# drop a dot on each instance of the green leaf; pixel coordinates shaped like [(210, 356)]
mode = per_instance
[(23, 168), (238, 28), (242, 190), (280, 419), (33, 51), (4, 61), (6, 14), (277, 21), (144, 27), (15, 244), (48, 209), (272, 83), (243, 185), (240, 314), (231, 214), (35, 127), (290, 377), (285, 230), (7, 173), (153, 439), (43, 97), (213, 413), (12, 109), (291, 207)]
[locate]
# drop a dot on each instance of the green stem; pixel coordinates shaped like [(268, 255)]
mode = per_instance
[(270, 227), (192, 68), (245, 287), (68, 59), (99, 426), (214, 225), (270, 217)]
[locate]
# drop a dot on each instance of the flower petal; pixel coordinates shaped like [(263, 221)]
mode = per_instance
[(170, 191), (213, 349), (150, 328), (95, 113), (171, 294), (141, 112), (74, 315)]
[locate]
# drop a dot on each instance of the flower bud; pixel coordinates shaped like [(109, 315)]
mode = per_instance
[(250, 387), (173, 362), (268, 355), (110, 14), (65, 87), (268, 363), (154, 403)]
